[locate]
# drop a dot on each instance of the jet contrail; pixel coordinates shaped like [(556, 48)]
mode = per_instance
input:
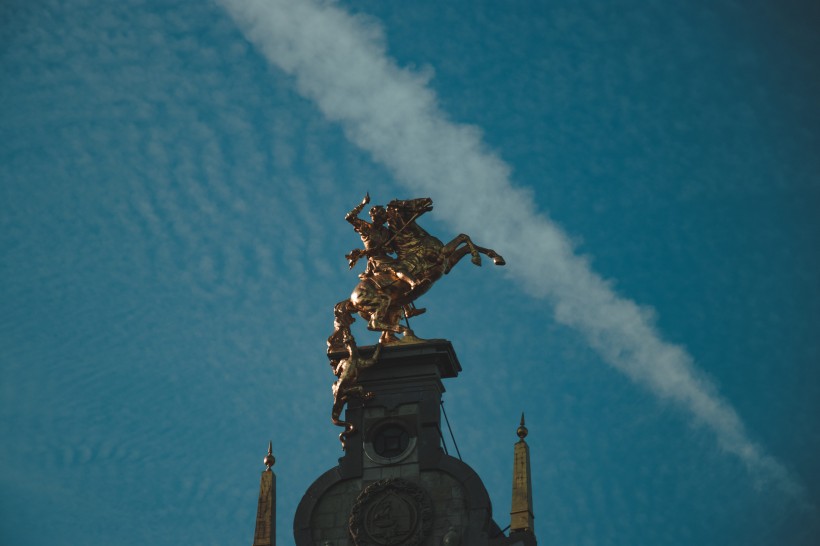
[(340, 61)]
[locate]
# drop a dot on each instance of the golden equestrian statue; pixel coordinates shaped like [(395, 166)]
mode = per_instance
[(403, 262)]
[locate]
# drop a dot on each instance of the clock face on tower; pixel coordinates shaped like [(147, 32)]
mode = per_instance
[(391, 440)]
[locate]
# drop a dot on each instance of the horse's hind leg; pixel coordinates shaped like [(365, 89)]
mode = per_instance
[(380, 316), (388, 337)]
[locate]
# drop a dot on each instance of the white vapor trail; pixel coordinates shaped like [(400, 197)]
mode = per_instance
[(339, 61)]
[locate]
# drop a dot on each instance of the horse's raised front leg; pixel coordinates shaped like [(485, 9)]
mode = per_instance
[(452, 248), (454, 252), (492, 254), (455, 257)]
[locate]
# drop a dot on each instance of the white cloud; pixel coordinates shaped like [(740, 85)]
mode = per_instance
[(339, 61)]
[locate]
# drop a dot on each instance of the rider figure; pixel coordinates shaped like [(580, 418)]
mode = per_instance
[(377, 239)]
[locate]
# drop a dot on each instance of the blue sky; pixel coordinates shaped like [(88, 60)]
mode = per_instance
[(174, 182)]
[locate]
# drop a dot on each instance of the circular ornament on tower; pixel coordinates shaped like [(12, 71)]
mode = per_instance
[(391, 512)]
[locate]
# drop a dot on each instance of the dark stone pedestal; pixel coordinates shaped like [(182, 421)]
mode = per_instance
[(394, 484)]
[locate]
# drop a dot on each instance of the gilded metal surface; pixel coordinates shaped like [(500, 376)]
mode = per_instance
[(269, 459), (346, 386), (522, 430), (403, 262), (377, 239)]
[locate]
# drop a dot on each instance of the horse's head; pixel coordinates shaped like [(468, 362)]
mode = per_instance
[(402, 211)]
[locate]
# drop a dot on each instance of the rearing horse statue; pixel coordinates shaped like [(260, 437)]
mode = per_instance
[(388, 289)]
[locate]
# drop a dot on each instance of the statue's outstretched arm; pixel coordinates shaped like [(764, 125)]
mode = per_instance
[(352, 216)]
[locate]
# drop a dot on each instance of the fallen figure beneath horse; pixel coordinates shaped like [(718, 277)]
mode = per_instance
[(347, 385), (404, 261)]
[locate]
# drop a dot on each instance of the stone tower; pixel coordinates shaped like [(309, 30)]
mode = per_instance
[(395, 485)]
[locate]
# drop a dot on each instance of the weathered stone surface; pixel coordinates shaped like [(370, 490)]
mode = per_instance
[(399, 442), (265, 533)]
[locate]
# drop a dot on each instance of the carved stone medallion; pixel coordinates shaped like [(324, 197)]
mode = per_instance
[(391, 512)]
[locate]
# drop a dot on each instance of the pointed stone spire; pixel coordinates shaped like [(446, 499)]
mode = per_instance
[(265, 534), (521, 517)]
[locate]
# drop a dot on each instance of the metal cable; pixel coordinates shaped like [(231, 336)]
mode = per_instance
[(451, 431)]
